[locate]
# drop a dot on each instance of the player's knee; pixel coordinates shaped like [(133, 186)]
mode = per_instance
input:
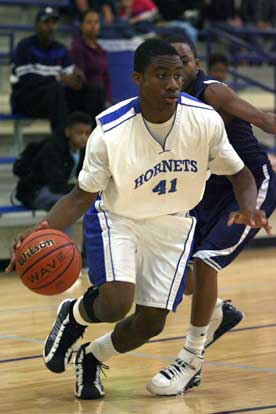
[(116, 300), (115, 311), (152, 322)]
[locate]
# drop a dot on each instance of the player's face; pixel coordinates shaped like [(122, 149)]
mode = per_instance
[(90, 27), (46, 30), (78, 135), (161, 82), (190, 65)]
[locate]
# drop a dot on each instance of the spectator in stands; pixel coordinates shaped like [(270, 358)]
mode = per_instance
[(218, 65), (223, 11), (136, 11), (173, 17), (45, 83), (88, 55), (53, 169), (261, 13), (106, 8)]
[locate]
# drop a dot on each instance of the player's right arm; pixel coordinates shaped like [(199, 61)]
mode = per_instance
[(93, 178), (225, 101)]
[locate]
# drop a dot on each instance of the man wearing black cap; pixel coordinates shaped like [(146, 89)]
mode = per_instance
[(45, 83)]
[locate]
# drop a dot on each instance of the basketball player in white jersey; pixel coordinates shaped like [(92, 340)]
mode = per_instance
[(145, 167)]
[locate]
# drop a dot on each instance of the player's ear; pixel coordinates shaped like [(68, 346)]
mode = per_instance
[(137, 77), (198, 63)]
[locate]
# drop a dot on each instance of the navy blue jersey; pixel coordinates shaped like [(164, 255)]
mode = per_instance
[(33, 63), (240, 134)]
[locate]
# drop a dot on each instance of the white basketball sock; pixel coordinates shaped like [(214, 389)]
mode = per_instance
[(102, 348), (76, 313), (196, 339)]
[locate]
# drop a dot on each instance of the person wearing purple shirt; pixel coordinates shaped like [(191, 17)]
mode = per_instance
[(89, 56)]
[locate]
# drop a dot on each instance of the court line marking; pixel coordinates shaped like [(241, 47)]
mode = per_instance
[(173, 338), (21, 339), (246, 410), (28, 310), (148, 356), (247, 328), (167, 358), (214, 363), (55, 306)]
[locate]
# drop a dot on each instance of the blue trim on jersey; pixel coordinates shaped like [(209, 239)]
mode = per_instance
[(109, 240), (180, 291), (94, 247), (198, 107), (115, 126), (192, 98), (117, 113)]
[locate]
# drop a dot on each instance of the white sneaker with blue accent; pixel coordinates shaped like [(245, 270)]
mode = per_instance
[(178, 377)]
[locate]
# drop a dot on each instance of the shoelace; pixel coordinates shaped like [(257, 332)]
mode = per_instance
[(175, 369), (76, 331), (103, 367), (100, 365)]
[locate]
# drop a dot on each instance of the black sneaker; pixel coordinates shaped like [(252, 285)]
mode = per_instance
[(230, 317), (87, 370), (64, 333)]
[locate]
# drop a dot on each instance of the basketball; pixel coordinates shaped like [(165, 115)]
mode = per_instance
[(48, 262)]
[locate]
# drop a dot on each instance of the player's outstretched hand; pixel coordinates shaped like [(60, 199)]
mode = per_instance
[(18, 240), (255, 219)]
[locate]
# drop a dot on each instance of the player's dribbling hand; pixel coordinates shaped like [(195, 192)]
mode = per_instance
[(255, 219), (18, 240)]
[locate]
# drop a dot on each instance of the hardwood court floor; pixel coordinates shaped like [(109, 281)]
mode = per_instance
[(239, 374)]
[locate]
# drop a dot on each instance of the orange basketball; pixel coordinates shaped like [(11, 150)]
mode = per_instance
[(48, 262)]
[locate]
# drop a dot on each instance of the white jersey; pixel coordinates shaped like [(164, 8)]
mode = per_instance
[(138, 177)]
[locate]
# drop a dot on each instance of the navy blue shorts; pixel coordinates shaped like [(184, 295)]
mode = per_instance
[(215, 243)]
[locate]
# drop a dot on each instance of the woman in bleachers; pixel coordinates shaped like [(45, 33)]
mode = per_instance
[(89, 56), (106, 8)]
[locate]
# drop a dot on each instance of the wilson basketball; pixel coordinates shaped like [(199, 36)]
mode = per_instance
[(48, 262)]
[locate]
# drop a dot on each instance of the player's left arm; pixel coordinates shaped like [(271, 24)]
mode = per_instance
[(223, 160), (245, 190), (224, 100)]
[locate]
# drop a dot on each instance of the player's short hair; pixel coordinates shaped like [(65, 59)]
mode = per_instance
[(178, 38), (150, 49), (217, 58), (78, 118)]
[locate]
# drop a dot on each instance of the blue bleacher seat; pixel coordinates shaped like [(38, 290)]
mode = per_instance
[(13, 209), (54, 3)]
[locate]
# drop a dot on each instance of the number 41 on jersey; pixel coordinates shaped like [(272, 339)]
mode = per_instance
[(164, 187)]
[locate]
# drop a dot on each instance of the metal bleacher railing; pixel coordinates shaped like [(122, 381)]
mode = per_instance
[(244, 47)]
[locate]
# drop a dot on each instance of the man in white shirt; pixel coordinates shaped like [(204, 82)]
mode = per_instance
[(148, 158)]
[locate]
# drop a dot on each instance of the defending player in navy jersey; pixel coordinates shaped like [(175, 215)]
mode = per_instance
[(216, 244), (148, 158)]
